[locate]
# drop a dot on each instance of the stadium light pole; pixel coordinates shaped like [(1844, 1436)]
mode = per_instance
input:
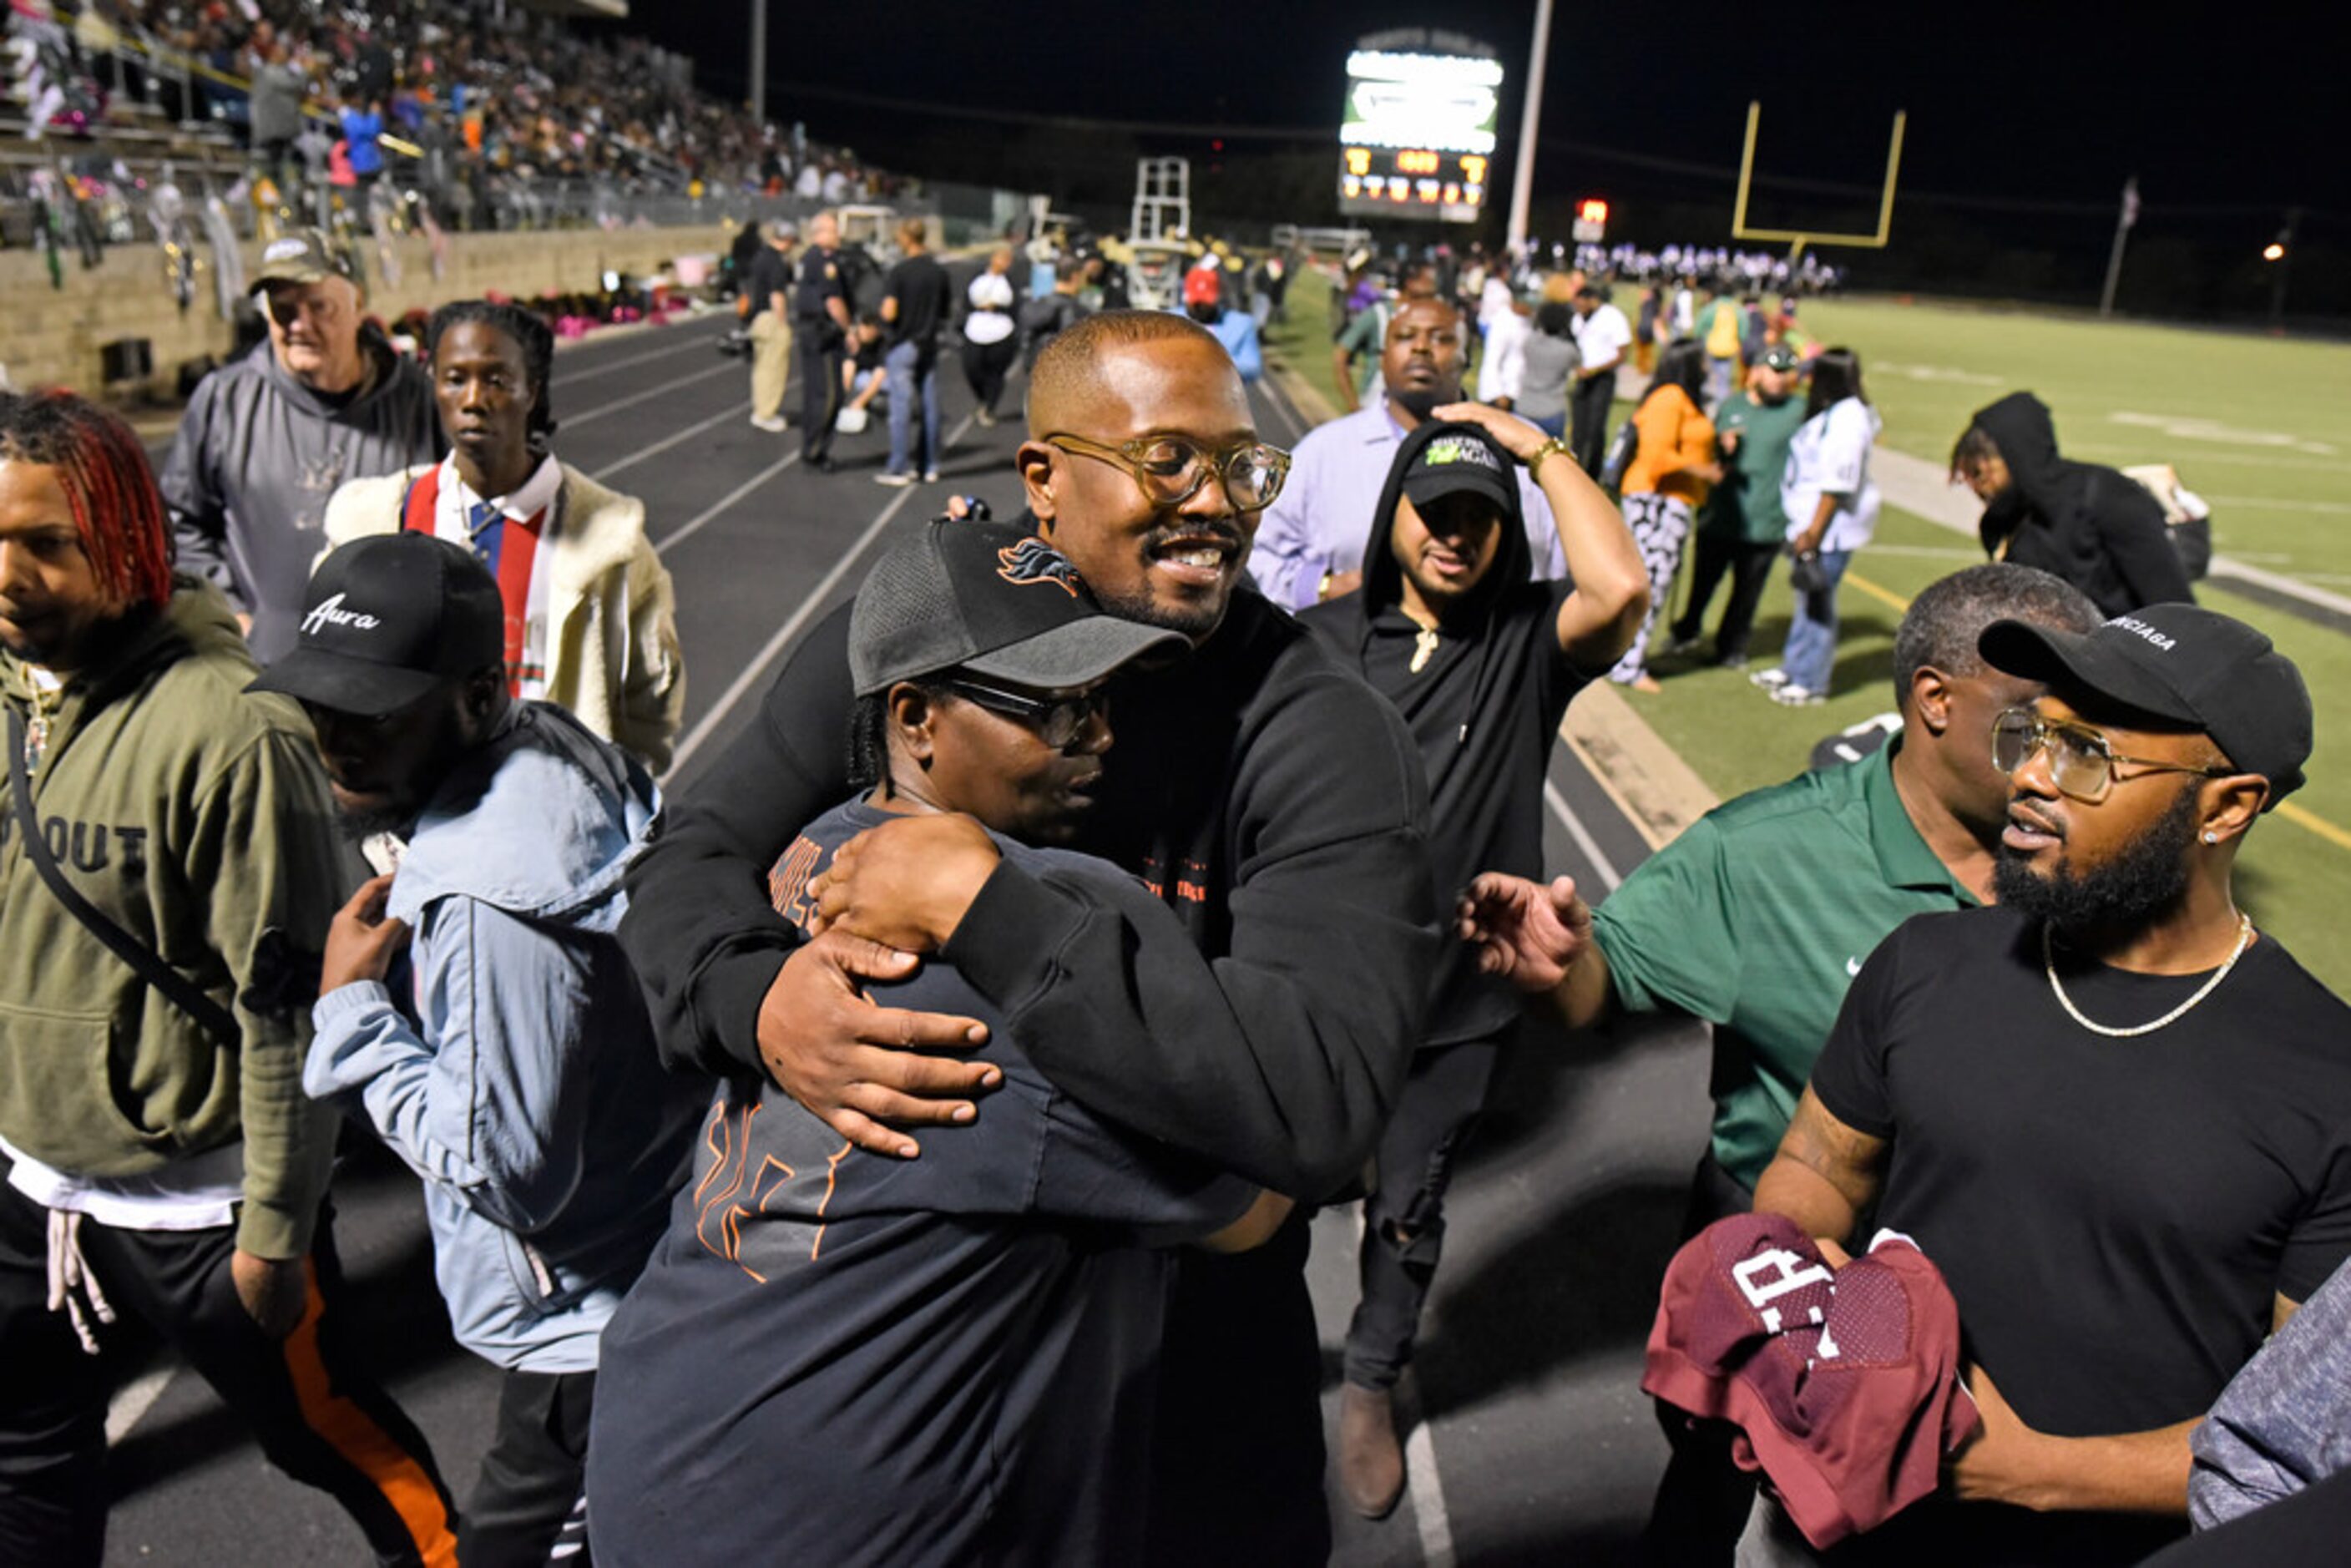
[(2283, 248), (1523, 175), (759, 61)]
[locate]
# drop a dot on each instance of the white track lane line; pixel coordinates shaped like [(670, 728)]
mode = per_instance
[(134, 1399), (709, 722), (1583, 836), (695, 525), (658, 447), (757, 668), (728, 368), (1427, 1497), (701, 340)]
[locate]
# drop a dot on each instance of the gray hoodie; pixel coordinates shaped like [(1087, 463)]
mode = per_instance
[(520, 1077), (257, 457)]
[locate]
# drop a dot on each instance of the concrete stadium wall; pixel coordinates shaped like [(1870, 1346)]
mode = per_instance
[(53, 336)]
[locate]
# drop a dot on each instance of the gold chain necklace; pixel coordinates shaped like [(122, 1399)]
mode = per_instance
[(2049, 963), (1423, 642)]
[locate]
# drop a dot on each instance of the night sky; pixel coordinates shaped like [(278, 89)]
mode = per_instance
[(2052, 101)]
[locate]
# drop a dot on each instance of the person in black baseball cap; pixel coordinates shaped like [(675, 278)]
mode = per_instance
[(982, 1299), (2107, 1101), (1481, 659), (979, 659), (400, 661), (514, 1071)]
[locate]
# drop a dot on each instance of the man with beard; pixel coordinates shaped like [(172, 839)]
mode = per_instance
[(515, 1069), (1310, 546), (266, 441), (2116, 1116), (1262, 1019), (1482, 661)]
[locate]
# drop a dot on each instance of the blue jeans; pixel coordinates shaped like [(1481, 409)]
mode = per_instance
[(1809, 656), (906, 364)]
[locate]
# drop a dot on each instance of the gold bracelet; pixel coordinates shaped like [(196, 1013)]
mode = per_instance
[(1552, 446)]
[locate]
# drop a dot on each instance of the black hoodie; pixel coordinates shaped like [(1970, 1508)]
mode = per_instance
[(1270, 802), (2094, 527), (1483, 711)]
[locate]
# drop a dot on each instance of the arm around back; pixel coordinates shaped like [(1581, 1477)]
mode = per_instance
[(1279, 1059)]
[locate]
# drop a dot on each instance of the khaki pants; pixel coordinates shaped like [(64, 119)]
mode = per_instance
[(771, 363)]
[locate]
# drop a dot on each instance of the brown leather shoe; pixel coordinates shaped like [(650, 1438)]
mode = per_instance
[(1371, 1461)]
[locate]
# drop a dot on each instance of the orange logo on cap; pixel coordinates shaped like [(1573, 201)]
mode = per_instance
[(1034, 561)]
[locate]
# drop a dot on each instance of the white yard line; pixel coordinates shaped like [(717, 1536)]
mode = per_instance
[(1582, 836)]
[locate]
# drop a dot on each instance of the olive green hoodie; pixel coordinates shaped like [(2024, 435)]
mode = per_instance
[(197, 819)]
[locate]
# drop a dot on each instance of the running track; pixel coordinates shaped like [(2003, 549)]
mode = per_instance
[(1534, 1445)]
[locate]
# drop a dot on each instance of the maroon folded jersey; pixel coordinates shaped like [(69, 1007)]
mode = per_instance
[(1843, 1383)]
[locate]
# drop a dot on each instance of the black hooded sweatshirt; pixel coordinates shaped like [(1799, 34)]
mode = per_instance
[(2094, 527), (1483, 711), (1267, 798)]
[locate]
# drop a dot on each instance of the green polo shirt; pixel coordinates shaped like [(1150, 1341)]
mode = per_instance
[(1757, 918)]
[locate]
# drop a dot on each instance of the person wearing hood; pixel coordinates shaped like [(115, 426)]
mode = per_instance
[(1481, 659), (158, 1158), (267, 440), (2092, 526), (517, 1074), (1308, 547)]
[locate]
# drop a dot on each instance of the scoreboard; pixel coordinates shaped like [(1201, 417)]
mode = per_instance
[(1417, 138)]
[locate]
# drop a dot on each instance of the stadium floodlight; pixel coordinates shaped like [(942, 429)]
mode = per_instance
[(1798, 239), (2274, 251)]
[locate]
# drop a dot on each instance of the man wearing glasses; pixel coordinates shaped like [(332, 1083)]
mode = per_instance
[(266, 441), (1758, 915), (2114, 1113), (1259, 1014)]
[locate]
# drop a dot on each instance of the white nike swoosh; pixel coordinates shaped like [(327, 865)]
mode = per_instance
[(1853, 967)]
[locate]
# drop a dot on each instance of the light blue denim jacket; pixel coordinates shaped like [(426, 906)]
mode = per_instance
[(521, 1081)]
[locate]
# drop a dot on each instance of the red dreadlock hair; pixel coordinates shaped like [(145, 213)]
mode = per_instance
[(109, 485)]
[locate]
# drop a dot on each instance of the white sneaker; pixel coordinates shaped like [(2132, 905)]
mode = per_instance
[(772, 424), (930, 475), (1789, 694), (896, 481), (1770, 680)]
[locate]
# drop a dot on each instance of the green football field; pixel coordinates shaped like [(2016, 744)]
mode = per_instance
[(2262, 428)]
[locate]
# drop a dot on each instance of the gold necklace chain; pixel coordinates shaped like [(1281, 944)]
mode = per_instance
[(2049, 963)]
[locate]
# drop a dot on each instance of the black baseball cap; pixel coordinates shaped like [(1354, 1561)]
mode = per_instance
[(1453, 457), (2182, 665), (387, 618), (991, 599)]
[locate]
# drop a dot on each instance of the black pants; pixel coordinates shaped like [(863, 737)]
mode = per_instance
[(317, 1414), (529, 1497), (816, 345), (1704, 1499), (1404, 1215), (1587, 420), (1748, 567), (986, 365), (1237, 1451)]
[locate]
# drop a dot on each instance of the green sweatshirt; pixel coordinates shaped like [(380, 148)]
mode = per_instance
[(197, 819)]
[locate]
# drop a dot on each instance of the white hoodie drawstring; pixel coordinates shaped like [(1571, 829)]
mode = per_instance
[(70, 1272)]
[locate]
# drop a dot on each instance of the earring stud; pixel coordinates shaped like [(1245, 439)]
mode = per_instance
[(2211, 838)]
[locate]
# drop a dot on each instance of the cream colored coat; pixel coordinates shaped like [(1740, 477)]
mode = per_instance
[(612, 651)]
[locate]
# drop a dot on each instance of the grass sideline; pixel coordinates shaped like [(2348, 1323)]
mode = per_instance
[(2249, 407)]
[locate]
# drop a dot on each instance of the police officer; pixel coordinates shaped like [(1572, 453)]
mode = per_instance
[(820, 335)]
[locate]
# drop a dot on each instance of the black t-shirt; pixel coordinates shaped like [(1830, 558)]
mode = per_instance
[(768, 274), (1483, 711), (2114, 1215), (919, 285), (838, 1357)]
